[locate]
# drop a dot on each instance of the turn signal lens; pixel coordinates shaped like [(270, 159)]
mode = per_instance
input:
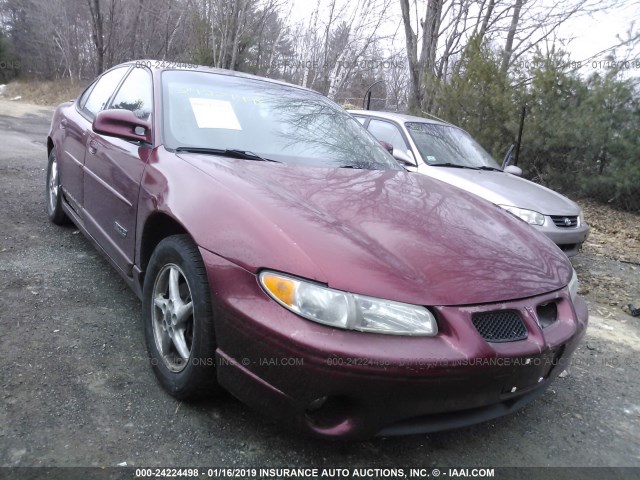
[(280, 287)]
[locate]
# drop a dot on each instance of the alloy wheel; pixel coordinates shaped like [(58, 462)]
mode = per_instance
[(172, 317)]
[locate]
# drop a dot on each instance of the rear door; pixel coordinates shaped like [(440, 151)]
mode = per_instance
[(75, 126), (113, 171), (71, 139)]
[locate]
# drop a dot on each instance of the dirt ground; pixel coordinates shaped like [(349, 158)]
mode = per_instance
[(609, 266), (77, 391), (43, 92)]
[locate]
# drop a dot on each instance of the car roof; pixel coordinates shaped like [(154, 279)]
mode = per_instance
[(398, 117), (166, 65)]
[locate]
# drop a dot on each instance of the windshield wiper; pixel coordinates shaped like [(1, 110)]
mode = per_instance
[(448, 164), (485, 167), (456, 165), (226, 152)]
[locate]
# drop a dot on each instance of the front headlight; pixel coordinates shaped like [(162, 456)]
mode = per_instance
[(530, 216), (347, 310), (581, 218), (573, 285)]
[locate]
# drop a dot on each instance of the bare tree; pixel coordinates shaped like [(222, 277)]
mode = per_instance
[(361, 33), (97, 33), (508, 48), (396, 79), (419, 66)]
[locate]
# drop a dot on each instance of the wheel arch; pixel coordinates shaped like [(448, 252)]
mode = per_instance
[(49, 146), (157, 227)]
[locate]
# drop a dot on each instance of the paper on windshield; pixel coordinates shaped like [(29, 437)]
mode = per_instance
[(213, 113)]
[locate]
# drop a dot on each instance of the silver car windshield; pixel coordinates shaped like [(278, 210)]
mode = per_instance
[(449, 146), (258, 120)]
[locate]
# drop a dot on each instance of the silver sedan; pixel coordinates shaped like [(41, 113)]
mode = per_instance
[(448, 153)]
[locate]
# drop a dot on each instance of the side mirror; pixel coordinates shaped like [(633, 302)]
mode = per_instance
[(513, 170), (508, 157), (387, 146), (404, 158), (122, 124)]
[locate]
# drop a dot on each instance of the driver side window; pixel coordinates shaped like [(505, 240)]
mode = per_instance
[(387, 132), (100, 94), (136, 94)]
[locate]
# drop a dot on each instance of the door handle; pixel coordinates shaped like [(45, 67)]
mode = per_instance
[(63, 123), (93, 146)]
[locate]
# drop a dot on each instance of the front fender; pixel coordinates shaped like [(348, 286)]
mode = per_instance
[(218, 219)]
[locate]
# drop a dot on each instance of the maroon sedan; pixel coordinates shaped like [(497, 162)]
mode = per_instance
[(283, 255)]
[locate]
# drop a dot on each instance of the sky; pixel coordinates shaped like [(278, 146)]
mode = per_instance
[(586, 36), (600, 31)]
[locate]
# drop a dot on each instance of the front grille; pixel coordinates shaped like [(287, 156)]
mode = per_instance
[(500, 326), (564, 222)]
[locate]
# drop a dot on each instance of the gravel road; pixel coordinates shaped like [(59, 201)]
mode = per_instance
[(77, 390)]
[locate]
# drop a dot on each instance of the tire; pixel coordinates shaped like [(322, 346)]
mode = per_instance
[(180, 339), (53, 192)]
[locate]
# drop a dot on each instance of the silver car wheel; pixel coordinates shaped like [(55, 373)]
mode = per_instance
[(53, 185), (172, 317)]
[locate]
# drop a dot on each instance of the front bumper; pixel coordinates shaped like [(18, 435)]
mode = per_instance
[(377, 384), (568, 239)]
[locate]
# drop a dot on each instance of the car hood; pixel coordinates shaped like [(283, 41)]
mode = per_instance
[(505, 189), (388, 234)]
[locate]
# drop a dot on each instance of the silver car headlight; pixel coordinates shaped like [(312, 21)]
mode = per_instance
[(581, 218), (530, 216), (573, 285), (346, 310)]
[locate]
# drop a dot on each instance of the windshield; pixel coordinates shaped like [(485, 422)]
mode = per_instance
[(212, 111), (444, 144)]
